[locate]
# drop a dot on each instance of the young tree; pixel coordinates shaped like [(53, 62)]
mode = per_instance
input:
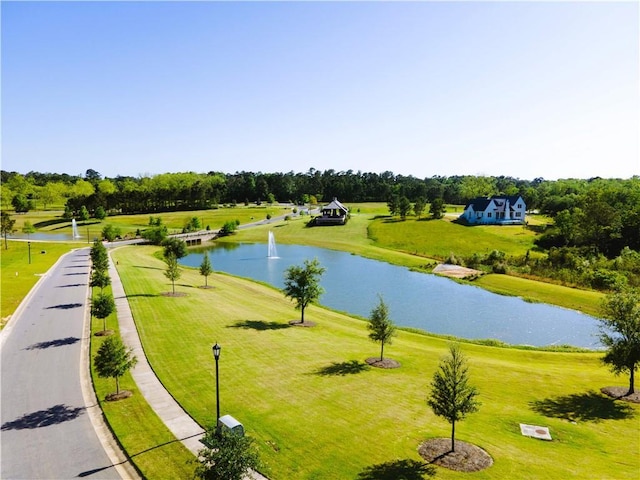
[(114, 360), (28, 228), (99, 256), (110, 233), (302, 285), (174, 246), (6, 224), (100, 213), (404, 207), (172, 272), (620, 333), (394, 205), (206, 268), (100, 279), (228, 228), (84, 213), (102, 306), (227, 456), (451, 395), (68, 213), (155, 235), (380, 326), (418, 207), (436, 209)]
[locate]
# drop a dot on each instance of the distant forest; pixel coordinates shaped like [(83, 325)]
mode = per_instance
[(598, 214)]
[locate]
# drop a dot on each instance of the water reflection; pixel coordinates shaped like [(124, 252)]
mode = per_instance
[(418, 300)]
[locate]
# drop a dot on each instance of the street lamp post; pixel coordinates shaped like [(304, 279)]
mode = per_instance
[(216, 355), (29, 244)]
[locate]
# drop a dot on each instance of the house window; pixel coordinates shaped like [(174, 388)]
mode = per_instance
[(489, 214), (518, 206), (517, 214), (479, 215)]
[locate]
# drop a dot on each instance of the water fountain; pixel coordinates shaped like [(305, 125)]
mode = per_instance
[(272, 252), (74, 229)]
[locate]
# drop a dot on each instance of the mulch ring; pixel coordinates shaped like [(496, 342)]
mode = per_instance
[(104, 333), (384, 363), (466, 458), (114, 397), (298, 323), (620, 393), (172, 294)]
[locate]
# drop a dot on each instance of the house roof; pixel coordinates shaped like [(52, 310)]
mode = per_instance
[(481, 203), (335, 205)]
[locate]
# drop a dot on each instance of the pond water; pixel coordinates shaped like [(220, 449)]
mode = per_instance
[(47, 237), (418, 300)]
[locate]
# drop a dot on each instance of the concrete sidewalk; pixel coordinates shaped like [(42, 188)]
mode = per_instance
[(183, 427), (177, 420)]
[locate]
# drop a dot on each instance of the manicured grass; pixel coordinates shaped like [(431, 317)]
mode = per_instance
[(439, 238), (318, 412), (589, 302), (51, 221), (18, 276), (148, 442)]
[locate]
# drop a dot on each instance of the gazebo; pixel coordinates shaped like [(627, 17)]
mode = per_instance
[(334, 213)]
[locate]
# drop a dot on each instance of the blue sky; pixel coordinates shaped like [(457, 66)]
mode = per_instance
[(526, 89)]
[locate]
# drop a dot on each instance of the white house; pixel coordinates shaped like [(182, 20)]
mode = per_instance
[(500, 210)]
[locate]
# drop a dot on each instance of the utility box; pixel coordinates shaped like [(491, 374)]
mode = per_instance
[(231, 424)]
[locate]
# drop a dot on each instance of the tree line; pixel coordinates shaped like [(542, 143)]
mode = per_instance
[(591, 216), (189, 190)]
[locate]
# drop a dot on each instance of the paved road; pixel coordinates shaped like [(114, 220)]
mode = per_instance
[(46, 426)]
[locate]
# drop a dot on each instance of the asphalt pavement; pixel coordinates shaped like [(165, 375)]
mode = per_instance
[(50, 421)]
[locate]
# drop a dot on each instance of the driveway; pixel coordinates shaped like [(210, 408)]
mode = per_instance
[(46, 424)]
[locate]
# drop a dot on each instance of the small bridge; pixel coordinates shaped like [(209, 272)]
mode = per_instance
[(196, 238)]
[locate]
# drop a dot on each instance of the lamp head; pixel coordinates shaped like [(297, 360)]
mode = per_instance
[(216, 351)]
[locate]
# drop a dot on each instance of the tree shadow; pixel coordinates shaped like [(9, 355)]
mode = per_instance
[(72, 285), (78, 266), (47, 223), (144, 295), (64, 306), (60, 342), (43, 418), (351, 367), (259, 325), (76, 273), (397, 470), (589, 406)]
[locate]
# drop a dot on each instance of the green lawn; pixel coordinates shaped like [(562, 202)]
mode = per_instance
[(150, 445), (439, 238), (318, 412), (50, 221), (17, 276)]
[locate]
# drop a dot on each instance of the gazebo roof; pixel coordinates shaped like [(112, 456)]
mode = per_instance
[(335, 205)]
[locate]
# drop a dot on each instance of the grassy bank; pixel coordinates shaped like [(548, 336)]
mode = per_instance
[(317, 411)]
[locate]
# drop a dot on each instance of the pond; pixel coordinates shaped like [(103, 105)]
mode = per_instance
[(48, 237), (428, 302)]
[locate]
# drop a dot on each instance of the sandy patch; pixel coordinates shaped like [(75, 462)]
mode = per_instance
[(455, 271)]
